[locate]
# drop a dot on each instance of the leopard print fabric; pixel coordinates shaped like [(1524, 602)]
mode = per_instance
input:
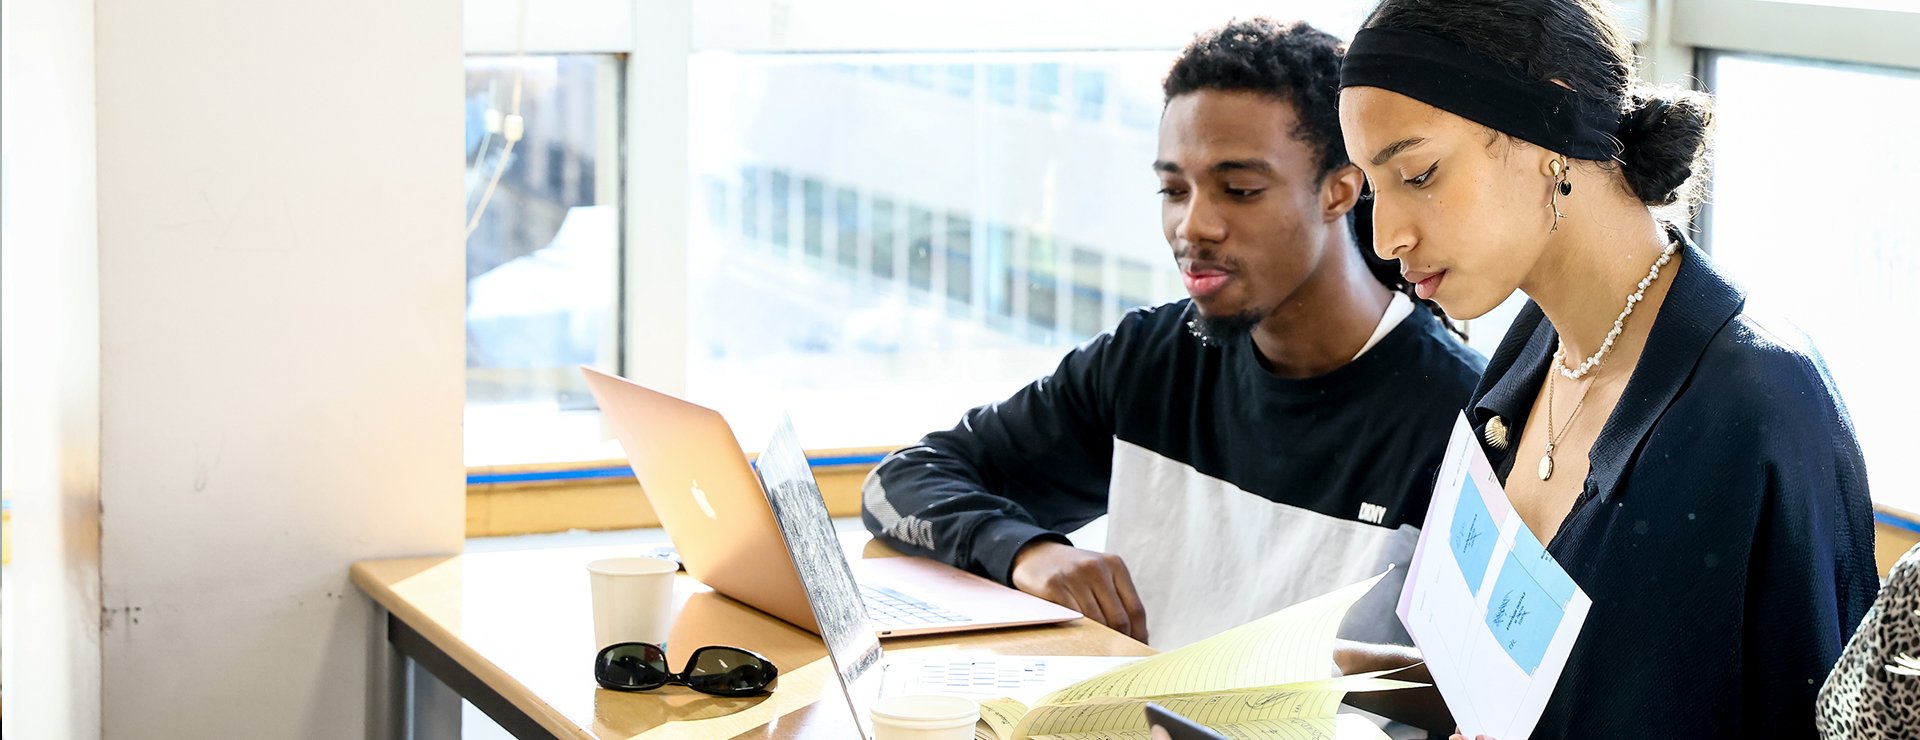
[(1862, 700)]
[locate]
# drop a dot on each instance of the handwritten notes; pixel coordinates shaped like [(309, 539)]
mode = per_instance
[(1472, 536)]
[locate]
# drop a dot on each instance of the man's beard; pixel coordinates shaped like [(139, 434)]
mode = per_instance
[(1218, 330)]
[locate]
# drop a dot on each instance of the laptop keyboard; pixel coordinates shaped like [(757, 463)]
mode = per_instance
[(887, 606)]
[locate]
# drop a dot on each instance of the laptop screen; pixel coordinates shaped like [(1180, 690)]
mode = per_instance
[(801, 513)]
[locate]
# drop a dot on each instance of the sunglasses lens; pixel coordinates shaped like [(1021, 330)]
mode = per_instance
[(631, 665), (730, 671)]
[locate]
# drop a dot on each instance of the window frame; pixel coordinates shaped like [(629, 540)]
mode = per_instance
[(611, 88), (653, 38), (1792, 28), (1787, 29), (657, 38), (1676, 40)]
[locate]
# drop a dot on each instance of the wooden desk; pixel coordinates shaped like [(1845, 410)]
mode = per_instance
[(512, 632)]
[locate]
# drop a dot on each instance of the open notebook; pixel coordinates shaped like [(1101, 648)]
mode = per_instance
[(1264, 680)]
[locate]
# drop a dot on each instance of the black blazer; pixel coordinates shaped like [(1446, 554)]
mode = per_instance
[(1724, 532)]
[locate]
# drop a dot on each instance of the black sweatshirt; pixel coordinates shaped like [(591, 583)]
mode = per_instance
[(1233, 492)]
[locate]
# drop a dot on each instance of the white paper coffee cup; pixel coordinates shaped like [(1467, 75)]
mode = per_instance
[(924, 717), (632, 600)]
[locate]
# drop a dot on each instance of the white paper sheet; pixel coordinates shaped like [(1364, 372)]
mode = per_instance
[(1491, 611)]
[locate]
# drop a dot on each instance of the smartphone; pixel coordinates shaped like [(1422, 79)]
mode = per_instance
[(1177, 727)]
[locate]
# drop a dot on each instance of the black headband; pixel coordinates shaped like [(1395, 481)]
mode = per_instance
[(1448, 76)]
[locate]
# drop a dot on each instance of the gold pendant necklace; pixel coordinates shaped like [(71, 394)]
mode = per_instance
[(1546, 460)]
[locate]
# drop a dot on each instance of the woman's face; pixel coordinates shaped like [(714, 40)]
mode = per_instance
[(1464, 210)]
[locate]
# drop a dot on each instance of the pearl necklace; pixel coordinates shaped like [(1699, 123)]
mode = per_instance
[(1606, 345), (1593, 363)]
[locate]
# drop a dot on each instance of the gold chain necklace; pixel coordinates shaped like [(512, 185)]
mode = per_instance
[(1593, 363), (1546, 460)]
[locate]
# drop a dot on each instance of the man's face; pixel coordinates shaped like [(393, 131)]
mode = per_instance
[(1241, 203)]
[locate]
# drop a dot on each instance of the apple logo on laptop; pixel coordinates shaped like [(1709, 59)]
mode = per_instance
[(700, 497)]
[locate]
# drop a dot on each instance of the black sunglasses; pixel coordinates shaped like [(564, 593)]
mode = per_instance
[(721, 671)]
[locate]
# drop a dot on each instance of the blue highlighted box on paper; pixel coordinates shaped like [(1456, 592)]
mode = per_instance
[(1528, 552), (1528, 602), (1472, 536)]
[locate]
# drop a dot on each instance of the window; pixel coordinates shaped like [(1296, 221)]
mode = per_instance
[(1089, 291), (960, 79), (1039, 270), (815, 196), (881, 247), (874, 240), (922, 75), (781, 200), (1000, 282), (1000, 83), (751, 195), (959, 250), (1804, 214), (1043, 87), (847, 229), (994, 216), (877, 241), (1135, 285), (543, 258), (920, 250), (1090, 94)]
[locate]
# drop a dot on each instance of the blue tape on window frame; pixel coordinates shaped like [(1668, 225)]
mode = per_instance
[(839, 460), (625, 473), (1897, 522), (542, 476)]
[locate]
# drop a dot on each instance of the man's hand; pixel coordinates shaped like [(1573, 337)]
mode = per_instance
[(1092, 583), (1421, 707), (1362, 657)]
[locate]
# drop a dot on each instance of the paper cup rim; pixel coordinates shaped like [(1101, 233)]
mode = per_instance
[(632, 566), (930, 708)]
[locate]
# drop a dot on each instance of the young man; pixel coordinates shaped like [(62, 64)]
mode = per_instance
[(1271, 438)]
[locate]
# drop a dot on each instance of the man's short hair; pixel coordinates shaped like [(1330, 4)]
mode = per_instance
[(1293, 62)]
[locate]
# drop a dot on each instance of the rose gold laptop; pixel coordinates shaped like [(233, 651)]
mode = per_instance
[(715, 510)]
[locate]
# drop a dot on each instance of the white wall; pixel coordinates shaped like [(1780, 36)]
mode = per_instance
[(279, 350), (50, 328)]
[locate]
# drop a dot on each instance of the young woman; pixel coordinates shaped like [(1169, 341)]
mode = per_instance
[(1689, 460)]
